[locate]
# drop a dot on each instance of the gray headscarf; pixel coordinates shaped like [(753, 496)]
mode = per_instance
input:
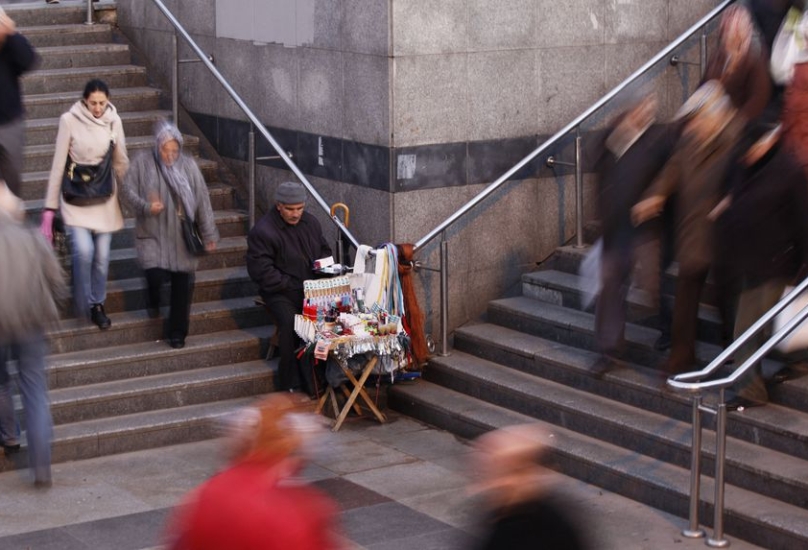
[(174, 175)]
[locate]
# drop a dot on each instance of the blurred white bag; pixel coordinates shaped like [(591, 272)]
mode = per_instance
[(798, 339), (590, 274)]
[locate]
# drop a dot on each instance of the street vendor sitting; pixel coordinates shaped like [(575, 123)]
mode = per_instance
[(281, 251)]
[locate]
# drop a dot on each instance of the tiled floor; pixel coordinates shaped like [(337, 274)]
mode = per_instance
[(399, 486)]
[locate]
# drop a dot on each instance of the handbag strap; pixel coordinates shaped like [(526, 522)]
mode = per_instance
[(178, 206)]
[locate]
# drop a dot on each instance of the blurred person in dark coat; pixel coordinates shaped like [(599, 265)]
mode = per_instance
[(634, 151), (32, 285), (763, 225), (696, 172), (17, 57), (521, 509), (741, 63)]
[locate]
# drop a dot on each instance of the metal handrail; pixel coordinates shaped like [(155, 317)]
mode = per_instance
[(203, 57), (693, 382), (574, 124)]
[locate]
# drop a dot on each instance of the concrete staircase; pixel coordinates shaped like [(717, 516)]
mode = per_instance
[(123, 389), (531, 359)]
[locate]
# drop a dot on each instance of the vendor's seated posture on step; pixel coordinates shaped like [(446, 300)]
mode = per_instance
[(281, 251)]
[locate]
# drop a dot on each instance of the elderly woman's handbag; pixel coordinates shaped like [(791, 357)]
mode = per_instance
[(190, 229), (87, 184)]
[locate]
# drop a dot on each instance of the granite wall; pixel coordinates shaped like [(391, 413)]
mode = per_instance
[(406, 109)]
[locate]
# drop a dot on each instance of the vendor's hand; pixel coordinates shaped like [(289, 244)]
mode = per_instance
[(46, 227), (211, 246), (647, 209)]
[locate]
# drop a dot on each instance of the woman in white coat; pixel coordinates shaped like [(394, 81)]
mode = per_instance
[(86, 132)]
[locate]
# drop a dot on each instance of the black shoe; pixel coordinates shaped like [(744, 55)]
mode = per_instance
[(153, 312), (663, 343), (99, 317), (43, 483), (739, 403), (176, 343)]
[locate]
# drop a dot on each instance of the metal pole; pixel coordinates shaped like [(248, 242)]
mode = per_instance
[(175, 79), (444, 297), (693, 531), (703, 53), (579, 192), (718, 540), (89, 13), (251, 161)]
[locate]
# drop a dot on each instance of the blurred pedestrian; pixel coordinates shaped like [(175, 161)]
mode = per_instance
[(634, 151), (697, 172), (88, 132), (256, 502), (517, 491), (17, 57), (33, 284), (162, 184), (741, 63), (763, 225)]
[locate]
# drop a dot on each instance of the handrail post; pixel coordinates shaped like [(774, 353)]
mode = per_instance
[(718, 540), (579, 192), (444, 296), (175, 79), (89, 20), (251, 170), (693, 531)]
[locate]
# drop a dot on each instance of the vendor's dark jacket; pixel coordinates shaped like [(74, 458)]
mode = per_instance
[(17, 57), (622, 181), (281, 256), (765, 227)]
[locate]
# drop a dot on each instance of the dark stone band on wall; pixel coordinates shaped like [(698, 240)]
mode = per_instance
[(396, 169)]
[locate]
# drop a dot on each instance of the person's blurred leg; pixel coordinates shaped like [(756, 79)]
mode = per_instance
[(34, 391)]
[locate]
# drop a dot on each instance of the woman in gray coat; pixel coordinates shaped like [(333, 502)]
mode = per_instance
[(158, 184)]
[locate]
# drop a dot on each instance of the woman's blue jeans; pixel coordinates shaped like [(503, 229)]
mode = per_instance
[(90, 250)]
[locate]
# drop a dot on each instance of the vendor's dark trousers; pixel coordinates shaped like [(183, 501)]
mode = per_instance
[(610, 311), (182, 293), (283, 309)]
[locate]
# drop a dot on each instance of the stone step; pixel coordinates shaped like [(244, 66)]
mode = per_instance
[(42, 36), (130, 327), (32, 14), (649, 432), (37, 158), (121, 434), (210, 285), (569, 290), (230, 252), (68, 370), (75, 56), (35, 183), (71, 81), (53, 104), (756, 518), (139, 123), (160, 391)]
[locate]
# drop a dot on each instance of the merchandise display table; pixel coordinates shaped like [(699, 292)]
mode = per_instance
[(356, 390)]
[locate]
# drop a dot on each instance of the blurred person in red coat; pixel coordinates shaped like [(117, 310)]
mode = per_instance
[(255, 503)]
